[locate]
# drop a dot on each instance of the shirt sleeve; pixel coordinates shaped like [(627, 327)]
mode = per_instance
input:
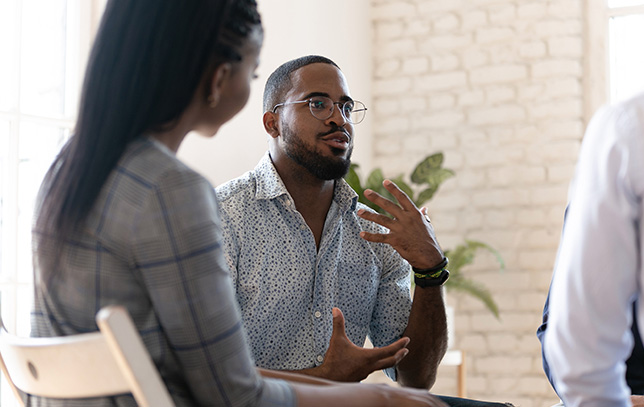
[(178, 250), (393, 303), (229, 244), (597, 269)]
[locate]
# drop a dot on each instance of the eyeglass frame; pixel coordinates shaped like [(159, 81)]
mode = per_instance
[(340, 104)]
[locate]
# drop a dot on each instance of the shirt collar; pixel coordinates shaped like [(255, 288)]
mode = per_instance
[(270, 185)]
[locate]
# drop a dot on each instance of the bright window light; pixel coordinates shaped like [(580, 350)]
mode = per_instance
[(624, 3), (40, 77), (626, 62)]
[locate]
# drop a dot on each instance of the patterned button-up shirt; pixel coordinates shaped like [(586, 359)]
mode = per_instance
[(153, 244), (286, 287)]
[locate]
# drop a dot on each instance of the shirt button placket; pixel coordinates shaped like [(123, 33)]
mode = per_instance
[(319, 328)]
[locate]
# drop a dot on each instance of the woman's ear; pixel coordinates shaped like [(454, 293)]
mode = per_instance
[(270, 124), (219, 80)]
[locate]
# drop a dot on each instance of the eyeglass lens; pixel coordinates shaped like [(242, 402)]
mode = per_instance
[(352, 110)]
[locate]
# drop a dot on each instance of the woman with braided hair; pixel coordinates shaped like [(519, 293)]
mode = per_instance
[(120, 220)]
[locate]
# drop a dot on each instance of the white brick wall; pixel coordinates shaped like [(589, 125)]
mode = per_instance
[(497, 86)]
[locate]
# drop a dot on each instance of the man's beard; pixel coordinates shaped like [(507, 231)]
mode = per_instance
[(324, 168)]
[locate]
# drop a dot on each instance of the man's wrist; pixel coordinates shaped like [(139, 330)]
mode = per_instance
[(432, 270), (432, 277), (432, 282)]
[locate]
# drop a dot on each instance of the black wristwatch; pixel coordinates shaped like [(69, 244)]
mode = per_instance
[(432, 282)]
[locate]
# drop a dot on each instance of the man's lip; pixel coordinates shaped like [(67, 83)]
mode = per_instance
[(338, 135)]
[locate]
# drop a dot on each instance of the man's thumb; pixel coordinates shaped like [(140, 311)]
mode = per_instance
[(338, 322)]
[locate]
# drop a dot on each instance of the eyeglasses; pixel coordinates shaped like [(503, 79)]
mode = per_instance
[(322, 107)]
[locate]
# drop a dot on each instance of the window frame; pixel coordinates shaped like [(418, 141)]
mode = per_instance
[(82, 20), (597, 50)]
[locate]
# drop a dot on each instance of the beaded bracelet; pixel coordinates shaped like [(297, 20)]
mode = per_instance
[(428, 276), (432, 282), (427, 273)]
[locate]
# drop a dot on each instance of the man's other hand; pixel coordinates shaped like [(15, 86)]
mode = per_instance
[(347, 362)]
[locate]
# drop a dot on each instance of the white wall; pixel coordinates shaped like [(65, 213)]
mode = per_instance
[(337, 29)]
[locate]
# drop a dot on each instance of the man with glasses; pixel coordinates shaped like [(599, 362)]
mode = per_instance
[(315, 271)]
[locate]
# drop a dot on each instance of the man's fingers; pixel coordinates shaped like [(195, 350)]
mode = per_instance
[(382, 202), (390, 355), (389, 350), (382, 220), (405, 204), (399, 194), (390, 361), (374, 237)]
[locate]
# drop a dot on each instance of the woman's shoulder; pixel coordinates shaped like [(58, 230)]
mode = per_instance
[(146, 172), (152, 165), (147, 184)]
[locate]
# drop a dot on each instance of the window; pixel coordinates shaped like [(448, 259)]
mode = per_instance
[(44, 44), (613, 57), (626, 60)]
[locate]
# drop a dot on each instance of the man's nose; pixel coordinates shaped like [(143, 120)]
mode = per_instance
[(336, 116)]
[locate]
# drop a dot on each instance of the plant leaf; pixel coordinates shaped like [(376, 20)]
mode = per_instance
[(425, 196), (353, 179), (374, 180), (432, 162), (434, 177), (460, 256), (463, 254), (474, 289), (475, 244)]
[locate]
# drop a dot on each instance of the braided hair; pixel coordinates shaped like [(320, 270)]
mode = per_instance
[(146, 64)]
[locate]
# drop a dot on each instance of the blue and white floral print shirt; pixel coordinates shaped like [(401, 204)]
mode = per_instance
[(286, 287)]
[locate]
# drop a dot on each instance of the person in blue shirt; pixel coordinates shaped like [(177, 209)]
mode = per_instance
[(314, 271)]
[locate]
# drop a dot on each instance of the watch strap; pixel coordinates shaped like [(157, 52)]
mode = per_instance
[(432, 281)]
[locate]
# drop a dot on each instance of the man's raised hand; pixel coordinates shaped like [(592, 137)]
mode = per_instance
[(410, 231)]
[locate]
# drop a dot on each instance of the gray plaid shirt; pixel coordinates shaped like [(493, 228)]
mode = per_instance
[(153, 244)]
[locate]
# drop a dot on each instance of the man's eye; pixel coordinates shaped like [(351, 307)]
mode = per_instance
[(348, 108), (317, 104)]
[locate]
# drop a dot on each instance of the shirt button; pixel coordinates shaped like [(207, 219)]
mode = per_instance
[(318, 314), (320, 358), (288, 203), (303, 227)]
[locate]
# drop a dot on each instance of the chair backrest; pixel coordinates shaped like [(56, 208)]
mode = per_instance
[(110, 362)]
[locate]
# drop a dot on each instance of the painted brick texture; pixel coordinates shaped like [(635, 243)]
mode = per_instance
[(497, 86)]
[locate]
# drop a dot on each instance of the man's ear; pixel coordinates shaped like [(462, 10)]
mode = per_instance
[(219, 80), (270, 124)]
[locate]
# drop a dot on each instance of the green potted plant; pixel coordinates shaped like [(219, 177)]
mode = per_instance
[(428, 175)]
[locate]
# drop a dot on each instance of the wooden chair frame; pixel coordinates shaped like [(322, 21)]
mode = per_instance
[(109, 362)]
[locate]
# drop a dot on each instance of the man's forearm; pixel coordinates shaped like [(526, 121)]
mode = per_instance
[(427, 330), (294, 376), (317, 371)]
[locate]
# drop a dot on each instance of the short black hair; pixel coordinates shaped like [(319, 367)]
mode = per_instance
[(280, 80)]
